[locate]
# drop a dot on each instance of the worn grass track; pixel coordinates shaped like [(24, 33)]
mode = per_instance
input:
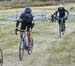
[(49, 49)]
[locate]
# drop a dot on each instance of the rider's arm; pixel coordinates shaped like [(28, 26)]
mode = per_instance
[(17, 24), (19, 20), (56, 13), (32, 18), (67, 12)]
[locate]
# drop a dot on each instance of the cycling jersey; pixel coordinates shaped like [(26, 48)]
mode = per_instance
[(26, 18), (26, 21), (62, 12)]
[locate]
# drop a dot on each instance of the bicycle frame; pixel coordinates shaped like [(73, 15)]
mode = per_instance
[(23, 36), (23, 44)]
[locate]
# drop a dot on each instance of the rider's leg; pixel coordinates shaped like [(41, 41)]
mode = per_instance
[(64, 26), (29, 34), (59, 25)]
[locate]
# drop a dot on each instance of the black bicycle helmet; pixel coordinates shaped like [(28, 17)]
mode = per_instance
[(28, 10)]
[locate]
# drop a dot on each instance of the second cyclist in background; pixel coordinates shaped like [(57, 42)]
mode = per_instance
[(62, 13)]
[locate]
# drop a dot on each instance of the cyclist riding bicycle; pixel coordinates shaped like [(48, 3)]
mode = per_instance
[(26, 20), (62, 13)]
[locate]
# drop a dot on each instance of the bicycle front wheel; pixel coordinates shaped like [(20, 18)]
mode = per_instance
[(60, 30), (1, 57), (21, 50)]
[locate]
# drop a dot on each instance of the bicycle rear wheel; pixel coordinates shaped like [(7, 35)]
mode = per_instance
[(1, 57), (21, 50)]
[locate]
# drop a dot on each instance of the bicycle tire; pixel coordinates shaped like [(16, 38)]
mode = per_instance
[(60, 30), (1, 58), (21, 50)]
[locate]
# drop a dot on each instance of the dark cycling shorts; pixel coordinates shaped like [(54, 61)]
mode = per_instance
[(26, 26), (59, 20)]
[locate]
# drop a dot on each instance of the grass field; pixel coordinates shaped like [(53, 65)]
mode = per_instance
[(49, 49)]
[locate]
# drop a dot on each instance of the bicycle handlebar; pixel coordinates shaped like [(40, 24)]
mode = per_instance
[(21, 30)]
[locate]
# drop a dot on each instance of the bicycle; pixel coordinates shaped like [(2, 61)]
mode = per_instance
[(24, 45), (61, 27), (1, 57)]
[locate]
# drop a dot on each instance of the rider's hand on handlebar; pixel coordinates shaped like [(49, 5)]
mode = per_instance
[(33, 25), (16, 31)]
